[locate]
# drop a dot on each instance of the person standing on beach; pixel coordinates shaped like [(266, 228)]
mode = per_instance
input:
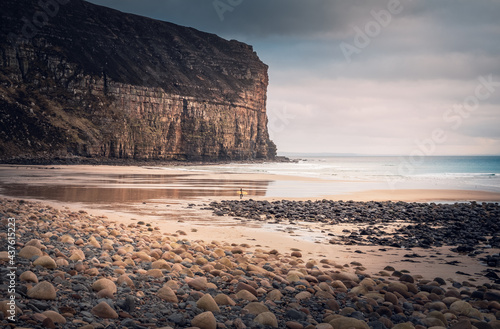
[(241, 193)]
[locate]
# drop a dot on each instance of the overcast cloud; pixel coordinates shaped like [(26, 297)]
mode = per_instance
[(412, 72)]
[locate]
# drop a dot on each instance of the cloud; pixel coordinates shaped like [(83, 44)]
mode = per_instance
[(378, 117), (393, 92)]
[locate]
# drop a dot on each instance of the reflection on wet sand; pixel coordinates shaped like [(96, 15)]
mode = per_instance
[(130, 191), (142, 190)]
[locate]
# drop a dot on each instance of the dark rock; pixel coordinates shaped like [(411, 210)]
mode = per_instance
[(48, 323), (127, 304), (172, 73), (243, 286), (40, 305), (482, 325), (391, 298), (295, 315), (408, 306), (477, 294), (178, 319), (376, 325), (406, 278), (357, 315), (492, 296), (463, 324), (440, 281), (333, 305), (398, 318)]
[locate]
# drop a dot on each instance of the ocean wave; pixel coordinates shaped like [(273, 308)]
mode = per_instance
[(459, 175)]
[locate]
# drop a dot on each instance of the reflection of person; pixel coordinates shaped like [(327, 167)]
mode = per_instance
[(241, 193)]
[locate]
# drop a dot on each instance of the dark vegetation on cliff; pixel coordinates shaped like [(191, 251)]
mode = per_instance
[(77, 79)]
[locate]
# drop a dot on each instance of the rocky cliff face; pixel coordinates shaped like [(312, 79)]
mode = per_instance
[(81, 79)]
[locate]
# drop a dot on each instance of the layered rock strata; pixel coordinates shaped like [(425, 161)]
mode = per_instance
[(85, 80)]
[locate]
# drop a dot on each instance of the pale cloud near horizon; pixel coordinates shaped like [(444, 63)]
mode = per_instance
[(392, 94)]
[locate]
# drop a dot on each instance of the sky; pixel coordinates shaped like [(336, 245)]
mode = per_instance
[(378, 77)]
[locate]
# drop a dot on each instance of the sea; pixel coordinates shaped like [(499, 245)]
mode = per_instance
[(330, 175)]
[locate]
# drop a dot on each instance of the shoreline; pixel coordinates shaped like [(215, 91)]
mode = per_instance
[(229, 184), (123, 162), (177, 214)]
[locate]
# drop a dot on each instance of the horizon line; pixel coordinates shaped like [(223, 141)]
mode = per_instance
[(332, 154)]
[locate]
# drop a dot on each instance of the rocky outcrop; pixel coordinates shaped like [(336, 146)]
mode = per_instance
[(81, 79)]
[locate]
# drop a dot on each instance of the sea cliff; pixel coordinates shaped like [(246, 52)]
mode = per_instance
[(77, 79)]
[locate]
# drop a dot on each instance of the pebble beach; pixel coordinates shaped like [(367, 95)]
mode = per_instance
[(78, 270)]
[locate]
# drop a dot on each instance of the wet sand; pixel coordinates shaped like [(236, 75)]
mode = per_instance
[(112, 184)]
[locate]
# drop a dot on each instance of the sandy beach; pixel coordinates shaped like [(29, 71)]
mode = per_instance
[(144, 183), (176, 203), (173, 199)]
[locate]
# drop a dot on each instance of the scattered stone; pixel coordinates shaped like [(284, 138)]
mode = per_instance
[(492, 295), (104, 284), (405, 325), (274, 295), (267, 319), (155, 273), (167, 294), (324, 326), (303, 295), (198, 283), (243, 286), (246, 295), (29, 252), (142, 278), (207, 303), (36, 243), (48, 323), (407, 278), (8, 309), (161, 264), (222, 299), (77, 255), (67, 239), (93, 242), (55, 317), (461, 307), (462, 324), (391, 298), (294, 325), (125, 279), (256, 308), (104, 311), (28, 276), (45, 261), (205, 320), (43, 290), (346, 323)]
